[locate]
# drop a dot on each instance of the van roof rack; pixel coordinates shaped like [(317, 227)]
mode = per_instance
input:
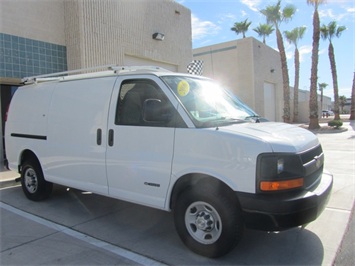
[(104, 71)]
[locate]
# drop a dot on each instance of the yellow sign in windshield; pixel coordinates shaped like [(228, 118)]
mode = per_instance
[(183, 88)]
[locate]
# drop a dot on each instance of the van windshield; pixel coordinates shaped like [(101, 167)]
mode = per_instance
[(207, 104)]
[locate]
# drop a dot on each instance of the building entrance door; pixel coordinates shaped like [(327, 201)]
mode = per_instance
[(6, 93)]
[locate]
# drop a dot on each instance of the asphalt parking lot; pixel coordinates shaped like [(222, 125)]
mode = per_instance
[(79, 228)]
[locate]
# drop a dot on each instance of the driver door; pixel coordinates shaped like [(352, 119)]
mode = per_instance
[(139, 153)]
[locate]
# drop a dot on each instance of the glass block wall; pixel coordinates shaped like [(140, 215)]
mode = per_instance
[(22, 57)]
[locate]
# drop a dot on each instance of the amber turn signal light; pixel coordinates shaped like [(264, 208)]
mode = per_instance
[(281, 185)]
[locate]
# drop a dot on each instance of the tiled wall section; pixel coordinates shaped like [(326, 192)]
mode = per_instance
[(21, 57)]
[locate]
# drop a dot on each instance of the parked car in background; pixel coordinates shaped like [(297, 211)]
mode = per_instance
[(327, 113)]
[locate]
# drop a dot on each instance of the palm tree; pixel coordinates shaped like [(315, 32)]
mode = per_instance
[(264, 30), (322, 86), (241, 27), (313, 101), (293, 37), (328, 32), (352, 111), (275, 16)]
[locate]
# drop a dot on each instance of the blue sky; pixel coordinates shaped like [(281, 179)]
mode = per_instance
[(212, 20)]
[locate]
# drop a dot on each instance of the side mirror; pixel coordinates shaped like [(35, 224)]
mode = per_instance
[(154, 111)]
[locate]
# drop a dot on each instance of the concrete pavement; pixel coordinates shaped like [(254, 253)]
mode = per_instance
[(150, 233), (340, 160)]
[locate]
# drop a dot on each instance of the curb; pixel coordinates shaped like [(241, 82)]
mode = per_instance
[(9, 182), (9, 178), (325, 129), (345, 255)]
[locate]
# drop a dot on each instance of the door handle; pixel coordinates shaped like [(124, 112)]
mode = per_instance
[(110, 137), (99, 136)]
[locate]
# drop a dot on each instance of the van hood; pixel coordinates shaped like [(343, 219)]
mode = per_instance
[(280, 136)]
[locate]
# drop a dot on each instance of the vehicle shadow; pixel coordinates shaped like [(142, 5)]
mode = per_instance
[(292, 247), (151, 232)]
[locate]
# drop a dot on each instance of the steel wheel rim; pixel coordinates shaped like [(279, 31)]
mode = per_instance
[(31, 181), (203, 222)]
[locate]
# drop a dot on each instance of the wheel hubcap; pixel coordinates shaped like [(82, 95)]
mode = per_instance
[(31, 182), (203, 222)]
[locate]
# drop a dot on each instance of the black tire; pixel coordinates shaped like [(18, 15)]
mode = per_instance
[(34, 185), (208, 220)]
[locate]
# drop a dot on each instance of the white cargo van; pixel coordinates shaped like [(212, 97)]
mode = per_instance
[(171, 141)]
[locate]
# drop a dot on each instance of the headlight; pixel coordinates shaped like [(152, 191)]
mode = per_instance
[(279, 171)]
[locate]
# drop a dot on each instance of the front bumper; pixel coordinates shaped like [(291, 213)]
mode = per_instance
[(278, 212)]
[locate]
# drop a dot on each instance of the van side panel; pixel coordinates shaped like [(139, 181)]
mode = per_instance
[(26, 126), (77, 134)]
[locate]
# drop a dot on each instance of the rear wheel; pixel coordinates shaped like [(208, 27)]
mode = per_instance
[(34, 185), (208, 220)]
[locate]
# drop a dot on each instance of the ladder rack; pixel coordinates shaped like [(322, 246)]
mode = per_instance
[(80, 73)]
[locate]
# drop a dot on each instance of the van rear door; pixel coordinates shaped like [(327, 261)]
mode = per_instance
[(139, 152)]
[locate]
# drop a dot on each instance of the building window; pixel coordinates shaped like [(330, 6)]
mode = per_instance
[(21, 57)]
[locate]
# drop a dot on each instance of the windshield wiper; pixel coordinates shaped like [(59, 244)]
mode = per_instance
[(254, 117), (233, 120), (222, 121)]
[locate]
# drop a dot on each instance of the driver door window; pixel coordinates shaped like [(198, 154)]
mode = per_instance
[(130, 107)]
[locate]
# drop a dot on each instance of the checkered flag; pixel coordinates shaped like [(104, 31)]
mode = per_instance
[(195, 67)]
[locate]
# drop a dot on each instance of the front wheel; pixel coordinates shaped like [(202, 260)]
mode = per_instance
[(34, 185), (208, 220)]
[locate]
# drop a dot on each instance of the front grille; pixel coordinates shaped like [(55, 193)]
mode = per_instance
[(313, 178), (309, 155), (313, 161)]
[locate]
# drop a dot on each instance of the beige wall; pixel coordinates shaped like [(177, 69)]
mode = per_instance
[(127, 28), (244, 66), (106, 31), (41, 20), (267, 69), (303, 105)]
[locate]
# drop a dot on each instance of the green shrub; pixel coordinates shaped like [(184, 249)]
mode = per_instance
[(335, 123)]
